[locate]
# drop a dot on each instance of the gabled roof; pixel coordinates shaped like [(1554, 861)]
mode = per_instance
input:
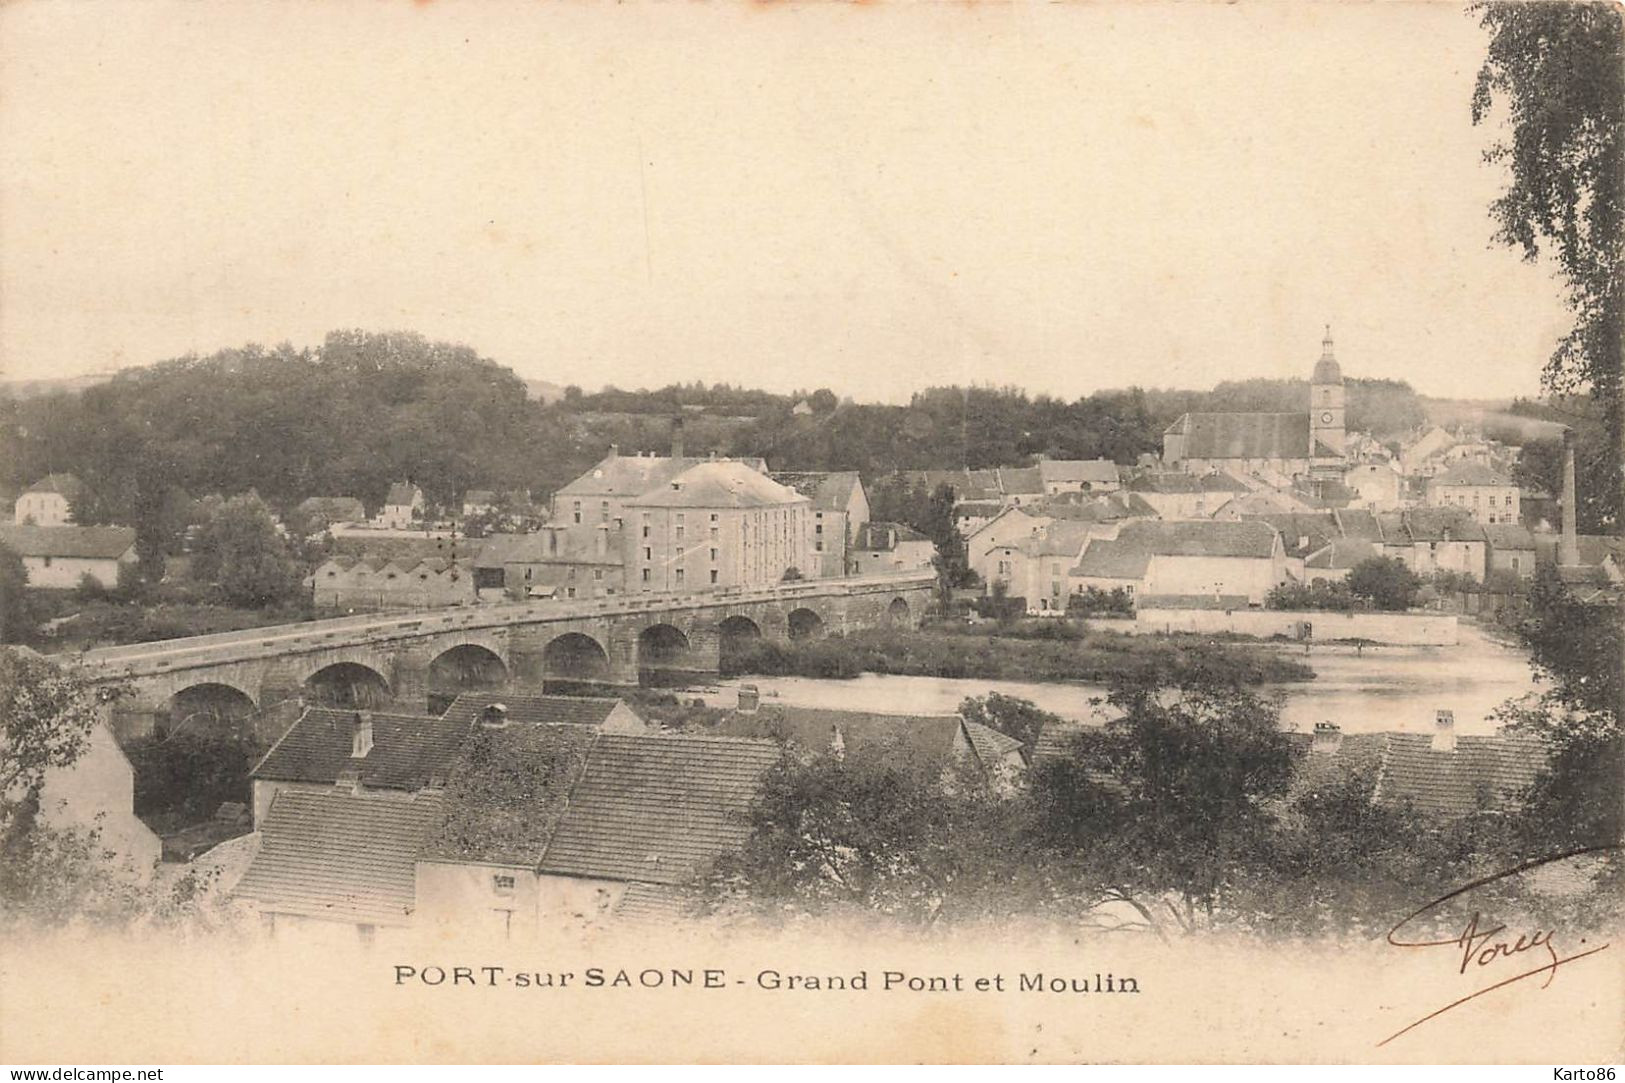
[(407, 750), (1484, 772), (813, 729), (658, 809), (884, 537), (1200, 538), (1468, 473), (341, 856), (1109, 559), (1437, 524), (1168, 482), (1084, 471), (1243, 436), (62, 484), (1342, 553), (1509, 536), (633, 475), (1317, 529), (828, 490), (519, 708), (990, 746), (82, 542), (1062, 538), (1357, 523), (403, 492), (1020, 480), (720, 484)]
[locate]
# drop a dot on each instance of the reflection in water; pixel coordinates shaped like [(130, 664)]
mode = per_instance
[(1381, 688)]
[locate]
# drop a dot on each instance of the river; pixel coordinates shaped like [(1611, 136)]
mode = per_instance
[(1381, 688)]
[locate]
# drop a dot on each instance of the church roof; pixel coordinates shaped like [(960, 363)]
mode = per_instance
[(1244, 436)]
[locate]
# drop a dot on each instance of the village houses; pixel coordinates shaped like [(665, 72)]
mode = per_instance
[(49, 501), (403, 506)]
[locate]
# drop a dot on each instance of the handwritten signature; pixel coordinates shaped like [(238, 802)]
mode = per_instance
[(1481, 945)]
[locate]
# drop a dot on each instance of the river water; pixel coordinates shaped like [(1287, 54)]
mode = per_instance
[(1381, 688)]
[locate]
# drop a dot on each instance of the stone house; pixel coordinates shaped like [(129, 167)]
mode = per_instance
[(840, 509), (58, 557), (1477, 490), (49, 501), (889, 547), (1185, 563), (403, 506)]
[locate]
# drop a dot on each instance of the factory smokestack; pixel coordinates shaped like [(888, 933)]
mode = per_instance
[(1568, 546)]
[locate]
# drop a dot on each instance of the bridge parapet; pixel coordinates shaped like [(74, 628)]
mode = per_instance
[(192, 652)]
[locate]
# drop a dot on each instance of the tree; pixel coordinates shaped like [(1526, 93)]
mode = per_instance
[(239, 550), (1386, 582), (46, 715), (1167, 805), (875, 829), (19, 617), (1010, 715), (1556, 73)]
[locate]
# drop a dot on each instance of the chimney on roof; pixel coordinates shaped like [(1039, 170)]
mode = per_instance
[(1327, 740), (495, 716), (677, 437), (361, 735), (1444, 731), (750, 698), (1568, 546), (348, 780)]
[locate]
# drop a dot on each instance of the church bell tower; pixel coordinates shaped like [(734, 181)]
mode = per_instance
[(1326, 403)]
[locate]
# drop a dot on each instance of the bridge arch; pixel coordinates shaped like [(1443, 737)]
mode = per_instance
[(737, 636), (805, 623), (465, 667), (348, 685), (898, 614), (574, 659), (210, 706)]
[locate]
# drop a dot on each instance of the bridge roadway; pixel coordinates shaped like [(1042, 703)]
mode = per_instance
[(615, 634)]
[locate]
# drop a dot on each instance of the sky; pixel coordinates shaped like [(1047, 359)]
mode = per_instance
[(870, 197)]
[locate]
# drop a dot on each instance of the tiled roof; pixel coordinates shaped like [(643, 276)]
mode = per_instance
[(83, 542), (1200, 538), (1020, 480), (407, 750), (828, 490), (1470, 474), (653, 904), (658, 809), (1062, 538), (1244, 436), (402, 492), (978, 509), (720, 484), (1220, 482), (633, 475), (990, 745), (1318, 528), (813, 729), (1342, 553), (1166, 482), (64, 484), (1357, 523), (468, 708), (1484, 772), (1509, 536), (1437, 524), (1109, 559), (1088, 471), (884, 537), (349, 857)]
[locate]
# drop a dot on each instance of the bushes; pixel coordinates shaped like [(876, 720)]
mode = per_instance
[(1335, 596), (1094, 602), (182, 778)]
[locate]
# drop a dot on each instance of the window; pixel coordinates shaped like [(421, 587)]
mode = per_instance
[(576, 510), (645, 530), (598, 573), (679, 530), (47, 562), (646, 575), (569, 592), (603, 511), (648, 553), (715, 517), (680, 552), (502, 885), (713, 554), (679, 575), (713, 575)]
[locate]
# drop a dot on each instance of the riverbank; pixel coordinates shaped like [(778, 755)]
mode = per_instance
[(1018, 653)]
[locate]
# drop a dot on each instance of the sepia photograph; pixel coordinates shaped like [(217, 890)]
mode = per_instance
[(789, 532)]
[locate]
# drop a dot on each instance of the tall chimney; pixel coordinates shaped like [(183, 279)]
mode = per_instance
[(1568, 546), (1444, 731), (677, 437)]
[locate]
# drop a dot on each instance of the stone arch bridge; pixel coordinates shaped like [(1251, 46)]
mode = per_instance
[(420, 660)]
